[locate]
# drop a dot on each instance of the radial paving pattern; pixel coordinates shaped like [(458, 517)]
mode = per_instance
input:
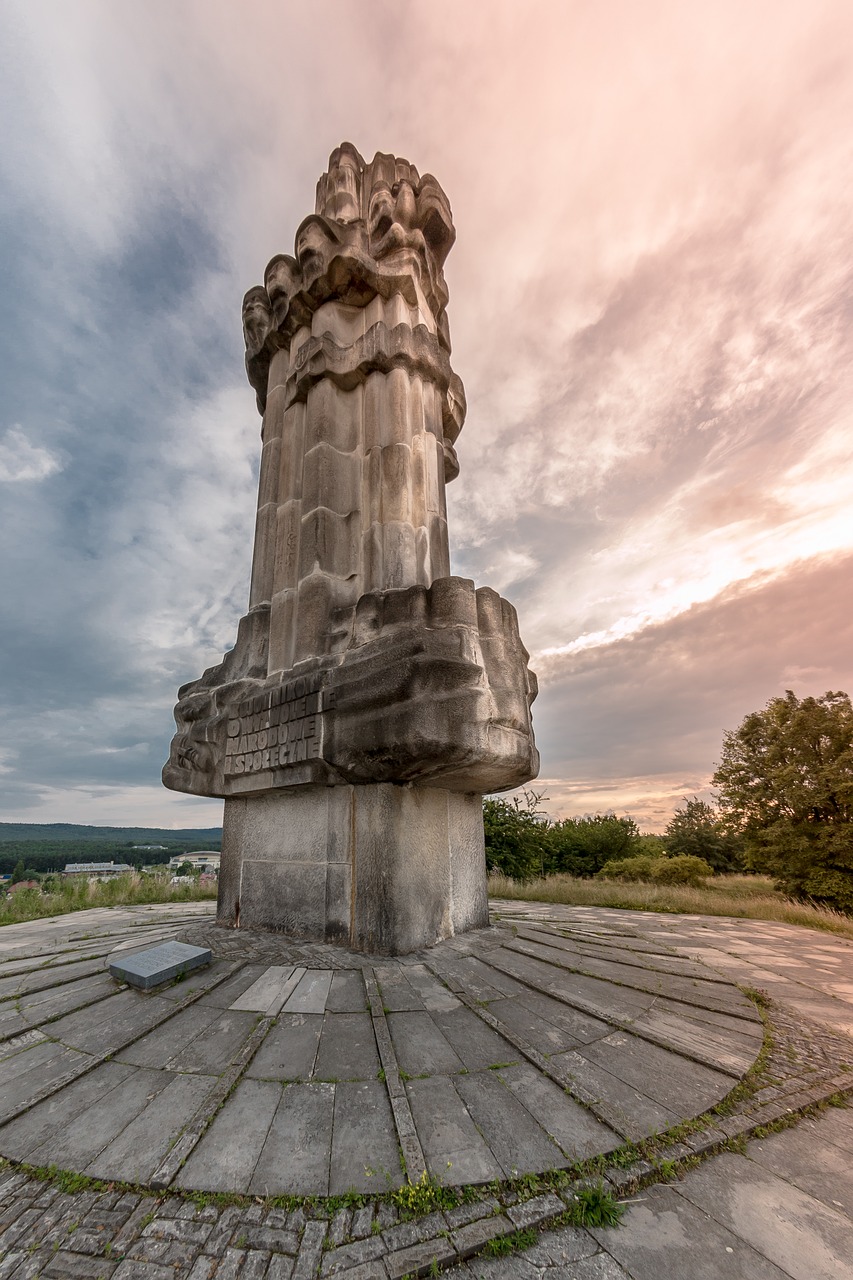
[(288, 1067)]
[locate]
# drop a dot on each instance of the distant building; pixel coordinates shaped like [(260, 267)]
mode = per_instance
[(23, 884), (96, 870), (202, 860)]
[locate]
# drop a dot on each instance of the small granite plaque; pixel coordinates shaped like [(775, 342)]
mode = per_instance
[(148, 969)]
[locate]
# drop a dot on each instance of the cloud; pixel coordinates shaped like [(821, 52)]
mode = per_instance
[(643, 717), (21, 460), (651, 310)]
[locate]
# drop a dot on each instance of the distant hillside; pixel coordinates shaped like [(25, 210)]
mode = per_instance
[(48, 846), (125, 835)]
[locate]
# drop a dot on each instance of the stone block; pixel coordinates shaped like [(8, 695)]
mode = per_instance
[(330, 545), (334, 415), (295, 903), (151, 968), (475, 1235), (287, 542), (420, 1259), (379, 867), (292, 452), (331, 479)]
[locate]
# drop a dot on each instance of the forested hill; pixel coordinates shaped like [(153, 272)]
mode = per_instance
[(123, 835), (43, 847)]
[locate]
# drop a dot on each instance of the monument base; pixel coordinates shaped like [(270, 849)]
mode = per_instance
[(381, 868)]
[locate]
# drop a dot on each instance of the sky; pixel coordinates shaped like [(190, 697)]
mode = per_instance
[(650, 305)]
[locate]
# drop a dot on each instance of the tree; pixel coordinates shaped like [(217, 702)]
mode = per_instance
[(648, 846), (19, 873), (581, 846), (697, 832), (516, 836), (786, 785)]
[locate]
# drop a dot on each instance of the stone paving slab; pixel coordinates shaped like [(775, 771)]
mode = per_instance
[(764, 1209), (441, 1029), (23, 1137), (269, 992), (183, 1239), (815, 1157), (141, 1145), (665, 1236)]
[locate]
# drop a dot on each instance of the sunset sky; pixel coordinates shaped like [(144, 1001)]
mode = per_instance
[(651, 304)]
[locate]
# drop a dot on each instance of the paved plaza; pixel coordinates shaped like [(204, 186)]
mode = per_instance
[(288, 1070)]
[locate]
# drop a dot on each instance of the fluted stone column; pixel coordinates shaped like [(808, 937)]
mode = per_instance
[(371, 698)]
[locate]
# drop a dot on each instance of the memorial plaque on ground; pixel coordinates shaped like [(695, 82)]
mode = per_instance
[(149, 969)]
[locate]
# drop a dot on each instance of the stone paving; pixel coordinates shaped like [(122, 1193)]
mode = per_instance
[(130, 1087), (809, 970), (316, 1071)]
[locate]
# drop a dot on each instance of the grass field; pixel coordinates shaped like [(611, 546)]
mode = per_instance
[(750, 897), (80, 895)]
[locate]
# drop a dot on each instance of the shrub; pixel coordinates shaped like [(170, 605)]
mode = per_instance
[(680, 870), (637, 868)]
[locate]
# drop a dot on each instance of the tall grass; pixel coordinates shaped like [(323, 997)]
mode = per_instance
[(748, 897), (79, 894)]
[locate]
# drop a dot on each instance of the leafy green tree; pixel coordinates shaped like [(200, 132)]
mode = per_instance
[(18, 874), (697, 832), (581, 846), (516, 836), (786, 785), (649, 846)]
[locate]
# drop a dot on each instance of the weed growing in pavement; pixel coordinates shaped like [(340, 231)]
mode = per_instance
[(595, 1206), (423, 1196), (500, 1246)]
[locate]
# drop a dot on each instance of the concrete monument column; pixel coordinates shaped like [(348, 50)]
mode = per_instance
[(371, 699)]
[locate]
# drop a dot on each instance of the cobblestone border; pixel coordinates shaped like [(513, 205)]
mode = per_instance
[(119, 1234)]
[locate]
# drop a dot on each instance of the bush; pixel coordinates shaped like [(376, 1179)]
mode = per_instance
[(680, 870), (637, 868)]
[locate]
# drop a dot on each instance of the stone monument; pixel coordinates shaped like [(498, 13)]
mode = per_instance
[(371, 698)]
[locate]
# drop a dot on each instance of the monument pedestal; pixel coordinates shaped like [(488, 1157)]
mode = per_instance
[(381, 867)]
